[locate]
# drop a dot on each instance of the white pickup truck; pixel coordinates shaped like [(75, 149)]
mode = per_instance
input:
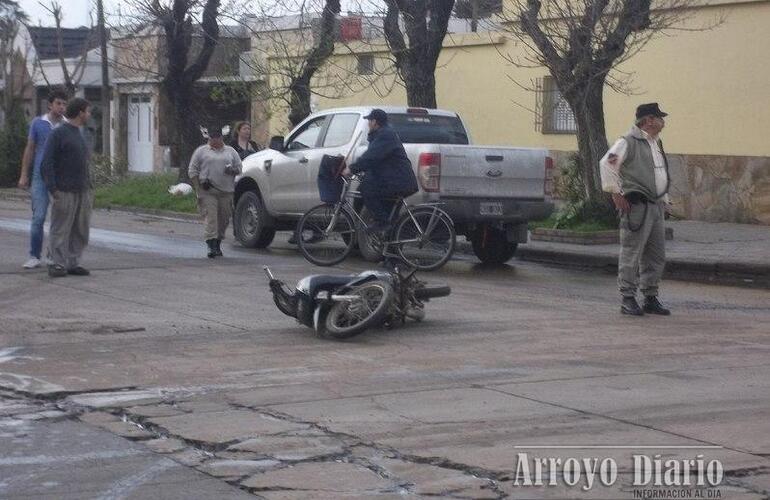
[(489, 191)]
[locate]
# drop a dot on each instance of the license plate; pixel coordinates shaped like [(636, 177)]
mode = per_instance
[(491, 208)]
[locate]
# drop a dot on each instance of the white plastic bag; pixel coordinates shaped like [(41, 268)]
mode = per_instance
[(181, 189)]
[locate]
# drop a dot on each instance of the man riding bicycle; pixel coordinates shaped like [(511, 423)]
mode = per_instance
[(389, 173)]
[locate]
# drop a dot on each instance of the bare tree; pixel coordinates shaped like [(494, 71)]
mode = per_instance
[(299, 88), (176, 18), (293, 47), (71, 78), (11, 17), (425, 24), (581, 43)]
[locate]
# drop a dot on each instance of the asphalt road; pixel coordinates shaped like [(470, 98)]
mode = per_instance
[(168, 375)]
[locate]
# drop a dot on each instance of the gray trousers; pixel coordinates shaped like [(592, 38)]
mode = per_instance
[(215, 207), (70, 221), (642, 252)]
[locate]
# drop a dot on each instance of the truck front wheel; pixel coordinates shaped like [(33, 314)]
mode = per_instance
[(249, 222), (491, 245)]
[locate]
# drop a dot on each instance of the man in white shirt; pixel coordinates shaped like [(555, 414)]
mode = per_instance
[(635, 171)]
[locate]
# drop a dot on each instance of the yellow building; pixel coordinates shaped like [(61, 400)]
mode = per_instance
[(715, 85)]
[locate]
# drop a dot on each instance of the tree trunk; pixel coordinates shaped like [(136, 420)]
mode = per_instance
[(421, 88), (106, 93), (588, 106), (185, 136), (299, 91)]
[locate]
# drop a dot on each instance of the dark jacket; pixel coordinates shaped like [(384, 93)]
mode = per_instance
[(251, 148), (65, 161), (388, 169)]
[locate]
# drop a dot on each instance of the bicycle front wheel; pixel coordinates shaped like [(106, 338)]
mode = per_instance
[(425, 238), (325, 235)]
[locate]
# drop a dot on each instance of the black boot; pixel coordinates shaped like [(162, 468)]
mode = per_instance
[(631, 307), (212, 248), (653, 306), (218, 247)]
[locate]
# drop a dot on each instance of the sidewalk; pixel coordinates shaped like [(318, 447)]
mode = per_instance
[(723, 253)]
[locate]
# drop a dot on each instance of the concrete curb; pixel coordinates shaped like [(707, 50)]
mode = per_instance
[(723, 273), (151, 212)]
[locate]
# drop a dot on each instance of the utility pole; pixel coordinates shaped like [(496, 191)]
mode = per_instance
[(106, 91)]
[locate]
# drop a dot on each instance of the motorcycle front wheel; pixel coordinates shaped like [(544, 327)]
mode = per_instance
[(369, 309)]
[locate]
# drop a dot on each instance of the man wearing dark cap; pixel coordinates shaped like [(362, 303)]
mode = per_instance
[(212, 171), (388, 170), (635, 171)]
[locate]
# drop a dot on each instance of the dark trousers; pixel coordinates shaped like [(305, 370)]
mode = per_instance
[(378, 204)]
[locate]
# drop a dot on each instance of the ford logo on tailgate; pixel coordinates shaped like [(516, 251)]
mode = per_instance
[(493, 172)]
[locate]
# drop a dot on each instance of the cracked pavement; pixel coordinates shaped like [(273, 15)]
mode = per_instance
[(167, 375)]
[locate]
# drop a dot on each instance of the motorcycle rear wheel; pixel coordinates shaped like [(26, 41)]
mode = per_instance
[(346, 319)]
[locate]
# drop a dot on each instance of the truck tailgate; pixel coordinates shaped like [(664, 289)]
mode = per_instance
[(492, 172)]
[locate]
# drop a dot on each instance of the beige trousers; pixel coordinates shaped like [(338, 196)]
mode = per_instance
[(70, 221), (216, 208)]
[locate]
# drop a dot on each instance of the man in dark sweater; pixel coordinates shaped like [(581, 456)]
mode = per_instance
[(67, 177)]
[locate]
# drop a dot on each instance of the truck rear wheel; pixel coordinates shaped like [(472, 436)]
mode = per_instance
[(491, 245)]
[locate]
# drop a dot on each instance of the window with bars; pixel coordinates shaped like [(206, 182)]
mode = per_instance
[(554, 116)]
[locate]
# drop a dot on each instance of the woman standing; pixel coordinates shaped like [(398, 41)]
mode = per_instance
[(242, 142)]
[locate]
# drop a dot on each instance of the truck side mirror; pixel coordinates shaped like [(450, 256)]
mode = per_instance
[(276, 143)]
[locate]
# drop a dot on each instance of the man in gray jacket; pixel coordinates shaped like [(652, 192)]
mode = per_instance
[(635, 171), (212, 171)]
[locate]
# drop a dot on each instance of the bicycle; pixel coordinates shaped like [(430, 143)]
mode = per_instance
[(423, 235)]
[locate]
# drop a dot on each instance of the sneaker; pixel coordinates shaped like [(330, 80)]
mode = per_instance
[(56, 271), (78, 271), (32, 263)]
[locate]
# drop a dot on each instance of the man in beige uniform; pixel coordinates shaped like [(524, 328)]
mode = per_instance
[(635, 171), (212, 171)]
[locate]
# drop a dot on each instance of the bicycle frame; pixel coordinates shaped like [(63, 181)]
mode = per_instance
[(345, 204)]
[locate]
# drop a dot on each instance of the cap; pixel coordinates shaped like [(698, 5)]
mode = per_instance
[(378, 115)]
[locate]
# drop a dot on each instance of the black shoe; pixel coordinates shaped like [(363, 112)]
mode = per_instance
[(653, 306), (293, 238), (56, 271), (212, 249), (78, 271), (218, 248), (631, 307)]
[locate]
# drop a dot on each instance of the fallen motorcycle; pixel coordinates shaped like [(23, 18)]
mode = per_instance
[(341, 306)]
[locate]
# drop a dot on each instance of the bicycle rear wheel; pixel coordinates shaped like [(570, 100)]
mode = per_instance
[(425, 238), (324, 237)]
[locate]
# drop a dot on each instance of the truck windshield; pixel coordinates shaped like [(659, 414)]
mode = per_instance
[(428, 129)]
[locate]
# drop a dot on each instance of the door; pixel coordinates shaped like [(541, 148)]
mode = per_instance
[(140, 125), (289, 173), (336, 141)]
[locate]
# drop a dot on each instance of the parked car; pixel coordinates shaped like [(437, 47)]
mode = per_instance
[(491, 192)]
